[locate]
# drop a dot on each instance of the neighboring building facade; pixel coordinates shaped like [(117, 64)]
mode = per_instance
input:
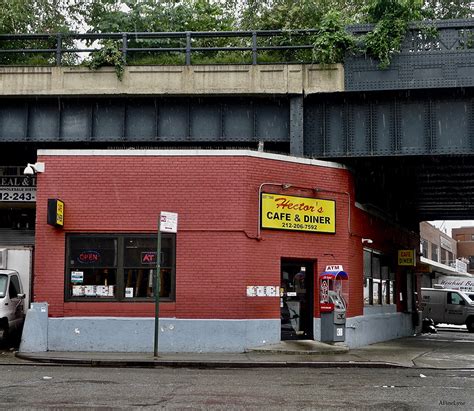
[(465, 243), (233, 269), (436, 245), (440, 259)]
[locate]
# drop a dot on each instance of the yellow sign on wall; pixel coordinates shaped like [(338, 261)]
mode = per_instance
[(60, 213), (282, 212), (407, 258), (55, 216)]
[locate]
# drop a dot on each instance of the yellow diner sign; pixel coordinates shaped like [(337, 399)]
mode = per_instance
[(55, 214), (282, 212), (407, 258), (60, 213)]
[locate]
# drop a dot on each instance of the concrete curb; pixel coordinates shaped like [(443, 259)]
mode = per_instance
[(209, 364)]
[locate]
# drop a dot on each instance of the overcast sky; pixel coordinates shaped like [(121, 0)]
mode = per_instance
[(446, 226)]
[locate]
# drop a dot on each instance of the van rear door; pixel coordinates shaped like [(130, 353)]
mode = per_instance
[(455, 306), (434, 305)]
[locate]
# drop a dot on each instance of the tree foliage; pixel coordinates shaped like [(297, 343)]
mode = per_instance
[(391, 19), (110, 16), (449, 9), (108, 55), (38, 16), (291, 14), (332, 41)]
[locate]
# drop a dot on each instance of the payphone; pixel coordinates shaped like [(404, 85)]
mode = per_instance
[(332, 304)]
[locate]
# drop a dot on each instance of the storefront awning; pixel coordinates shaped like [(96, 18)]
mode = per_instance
[(334, 275)]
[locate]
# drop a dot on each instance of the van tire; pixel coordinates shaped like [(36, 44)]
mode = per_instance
[(470, 324)]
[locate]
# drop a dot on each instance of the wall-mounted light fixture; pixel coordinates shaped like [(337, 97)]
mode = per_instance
[(285, 186), (367, 241), (32, 169)]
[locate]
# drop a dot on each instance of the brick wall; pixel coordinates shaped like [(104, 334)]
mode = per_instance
[(218, 250)]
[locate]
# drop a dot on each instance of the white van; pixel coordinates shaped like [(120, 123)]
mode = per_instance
[(12, 313), (448, 306)]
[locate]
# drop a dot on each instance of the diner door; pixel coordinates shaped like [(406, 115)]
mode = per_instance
[(297, 300)]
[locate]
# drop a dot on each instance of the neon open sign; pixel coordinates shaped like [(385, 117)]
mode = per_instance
[(89, 257)]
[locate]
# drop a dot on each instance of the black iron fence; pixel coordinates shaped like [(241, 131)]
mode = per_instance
[(242, 47), (56, 48)]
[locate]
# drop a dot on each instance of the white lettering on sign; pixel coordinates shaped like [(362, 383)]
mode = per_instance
[(263, 291), (18, 194), (334, 268), (457, 283)]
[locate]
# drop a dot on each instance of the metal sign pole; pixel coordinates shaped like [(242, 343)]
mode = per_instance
[(157, 287)]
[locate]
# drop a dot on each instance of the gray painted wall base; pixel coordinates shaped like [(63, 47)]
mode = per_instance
[(114, 334), (136, 334), (373, 328), (376, 325), (35, 330)]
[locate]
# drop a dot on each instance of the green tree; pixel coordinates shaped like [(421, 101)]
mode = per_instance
[(38, 16), (449, 9), (332, 41), (294, 14), (109, 16), (165, 16), (28, 17), (391, 19)]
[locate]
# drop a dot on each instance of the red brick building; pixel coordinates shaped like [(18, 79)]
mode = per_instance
[(221, 271)]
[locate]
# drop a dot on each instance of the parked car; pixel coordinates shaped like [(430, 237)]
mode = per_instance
[(448, 306), (12, 310)]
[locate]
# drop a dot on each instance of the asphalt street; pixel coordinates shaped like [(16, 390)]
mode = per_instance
[(37, 386), (48, 388)]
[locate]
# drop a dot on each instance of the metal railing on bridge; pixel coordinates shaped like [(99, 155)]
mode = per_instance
[(242, 47), (231, 47)]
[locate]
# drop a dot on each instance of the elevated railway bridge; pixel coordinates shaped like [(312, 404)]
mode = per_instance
[(407, 131), (406, 134)]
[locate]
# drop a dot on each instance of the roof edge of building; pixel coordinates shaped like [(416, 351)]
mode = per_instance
[(190, 153)]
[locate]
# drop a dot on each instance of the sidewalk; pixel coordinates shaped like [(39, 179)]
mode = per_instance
[(436, 351)]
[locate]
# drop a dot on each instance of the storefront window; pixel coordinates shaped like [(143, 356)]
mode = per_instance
[(376, 291), (392, 291), (451, 261), (444, 259), (378, 280), (92, 267), (367, 277), (424, 248), (119, 267), (377, 283), (385, 285), (139, 263), (434, 252), (367, 291)]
